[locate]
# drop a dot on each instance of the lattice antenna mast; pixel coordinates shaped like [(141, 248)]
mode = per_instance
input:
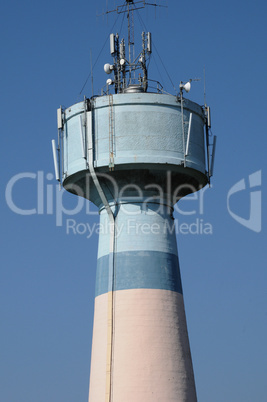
[(130, 19), (123, 66)]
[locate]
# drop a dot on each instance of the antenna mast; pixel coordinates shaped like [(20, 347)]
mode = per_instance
[(130, 18), (122, 65)]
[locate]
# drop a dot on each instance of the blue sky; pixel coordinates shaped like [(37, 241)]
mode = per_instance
[(47, 275)]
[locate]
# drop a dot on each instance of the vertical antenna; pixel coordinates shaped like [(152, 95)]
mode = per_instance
[(182, 115), (56, 166), (130, 18), (207, 127), (132, 36), (213, 155), (56, 150), (204, 73), (129, 40), (122, 64), (92, 79)]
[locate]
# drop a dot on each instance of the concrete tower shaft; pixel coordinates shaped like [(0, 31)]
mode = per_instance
[(149, 348)]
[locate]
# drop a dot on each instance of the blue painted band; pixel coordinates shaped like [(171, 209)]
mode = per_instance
[(139, 270)]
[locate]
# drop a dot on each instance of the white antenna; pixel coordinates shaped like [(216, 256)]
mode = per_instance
[(54, 148), (186, 86), (149, 43), (188, 134), (81, 137), (112, 44), (59, 118)]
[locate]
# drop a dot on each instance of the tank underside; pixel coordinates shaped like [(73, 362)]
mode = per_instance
[(163, 183)]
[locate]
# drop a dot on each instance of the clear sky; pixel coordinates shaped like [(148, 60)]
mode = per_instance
[(47, 275)]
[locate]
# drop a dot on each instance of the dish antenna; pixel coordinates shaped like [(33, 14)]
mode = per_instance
[(108, 68), (186, 86)]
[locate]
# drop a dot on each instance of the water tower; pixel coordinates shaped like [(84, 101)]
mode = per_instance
[(134, 151)]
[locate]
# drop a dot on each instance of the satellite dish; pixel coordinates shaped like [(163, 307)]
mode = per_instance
[(109, 81), (187, 86), (108, 68)]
